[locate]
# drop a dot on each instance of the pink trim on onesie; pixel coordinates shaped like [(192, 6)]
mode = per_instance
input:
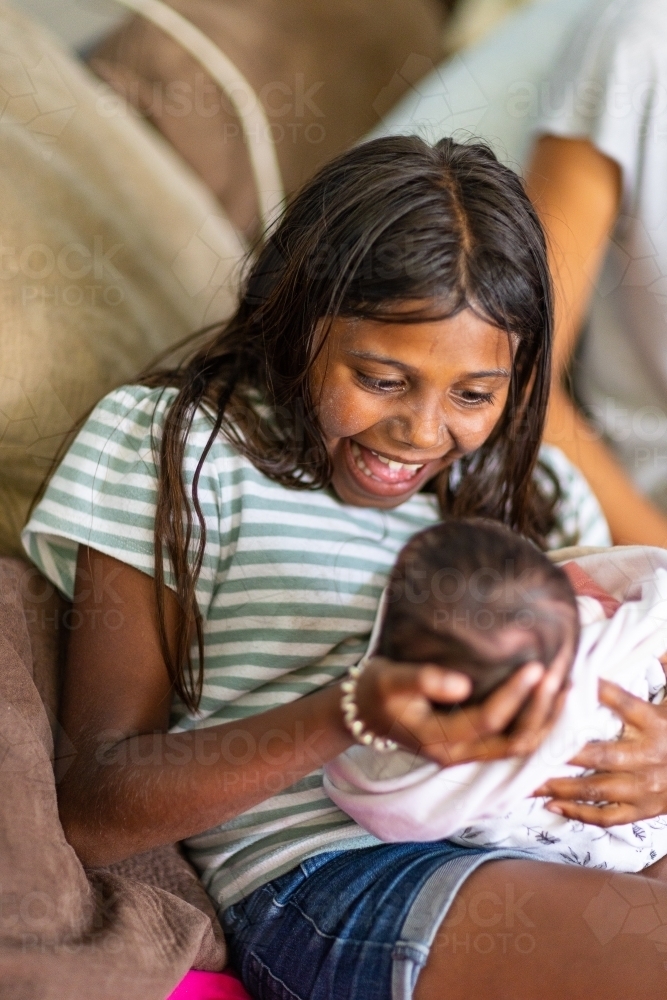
[(585, 586)]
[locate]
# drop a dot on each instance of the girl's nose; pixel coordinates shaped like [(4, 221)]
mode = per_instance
[(424, 429)]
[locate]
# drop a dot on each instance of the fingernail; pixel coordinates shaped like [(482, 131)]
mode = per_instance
[(552, 683), (533, 673), (457, 687), (450, 684), (554, 809)]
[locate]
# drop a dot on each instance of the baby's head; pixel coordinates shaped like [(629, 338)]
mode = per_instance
[(478, 598)]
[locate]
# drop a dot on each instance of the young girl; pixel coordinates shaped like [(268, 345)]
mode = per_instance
[(225, 530)]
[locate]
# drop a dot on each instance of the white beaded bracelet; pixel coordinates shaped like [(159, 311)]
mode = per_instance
[(351, 718)]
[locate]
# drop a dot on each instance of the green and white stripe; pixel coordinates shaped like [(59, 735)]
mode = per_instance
[(288, 592)]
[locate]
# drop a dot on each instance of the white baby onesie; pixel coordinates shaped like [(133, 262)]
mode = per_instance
[(401, 796)]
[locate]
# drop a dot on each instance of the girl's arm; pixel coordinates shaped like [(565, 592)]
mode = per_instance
[(576, 190), (126, 784)]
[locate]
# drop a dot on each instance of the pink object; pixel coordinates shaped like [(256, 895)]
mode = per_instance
[(209, 986), (585, 586)]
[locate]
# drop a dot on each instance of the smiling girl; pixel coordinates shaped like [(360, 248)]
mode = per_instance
[(226, 528)]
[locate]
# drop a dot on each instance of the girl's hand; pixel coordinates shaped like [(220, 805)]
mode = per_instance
[(400, 700), (631, 783)]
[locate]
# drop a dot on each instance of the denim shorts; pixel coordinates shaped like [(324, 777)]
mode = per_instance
[(349, 925)]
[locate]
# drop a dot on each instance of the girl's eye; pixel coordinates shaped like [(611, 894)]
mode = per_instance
[(471, 398), (380, 384)]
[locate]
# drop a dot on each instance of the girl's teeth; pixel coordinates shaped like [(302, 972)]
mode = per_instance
[(395, 466), (356, 451), (390, 463)]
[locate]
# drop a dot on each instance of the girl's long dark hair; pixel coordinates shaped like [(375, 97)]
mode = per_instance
[(434, 229)]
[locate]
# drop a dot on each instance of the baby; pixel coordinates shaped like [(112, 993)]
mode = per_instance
[(473, 596)]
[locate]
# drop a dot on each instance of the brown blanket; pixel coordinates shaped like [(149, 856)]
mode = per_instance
[(65, 934)]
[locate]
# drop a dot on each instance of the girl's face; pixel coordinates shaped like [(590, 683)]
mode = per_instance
[(399, 402)]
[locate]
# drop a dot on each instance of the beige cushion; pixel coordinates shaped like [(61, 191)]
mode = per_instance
[(111, 251)]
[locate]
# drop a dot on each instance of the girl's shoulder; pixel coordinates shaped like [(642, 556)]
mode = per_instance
[(127, 424), (105, 490)]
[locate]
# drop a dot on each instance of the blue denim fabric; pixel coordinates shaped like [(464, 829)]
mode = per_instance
[(348, 925)]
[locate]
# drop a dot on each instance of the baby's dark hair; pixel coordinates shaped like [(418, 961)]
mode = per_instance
[(473, 595)]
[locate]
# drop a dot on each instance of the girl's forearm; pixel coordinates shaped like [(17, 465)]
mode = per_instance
[(130, 793)]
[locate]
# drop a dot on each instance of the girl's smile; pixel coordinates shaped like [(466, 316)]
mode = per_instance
[(384, 476), (399, 402)]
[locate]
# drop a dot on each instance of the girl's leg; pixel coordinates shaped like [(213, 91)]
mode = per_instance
[(523, 929), (658, 869)]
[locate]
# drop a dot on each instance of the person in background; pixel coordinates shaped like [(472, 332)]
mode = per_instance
[(597, 177)]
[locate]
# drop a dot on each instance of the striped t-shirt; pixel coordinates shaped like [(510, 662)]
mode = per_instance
[(288, 591)]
